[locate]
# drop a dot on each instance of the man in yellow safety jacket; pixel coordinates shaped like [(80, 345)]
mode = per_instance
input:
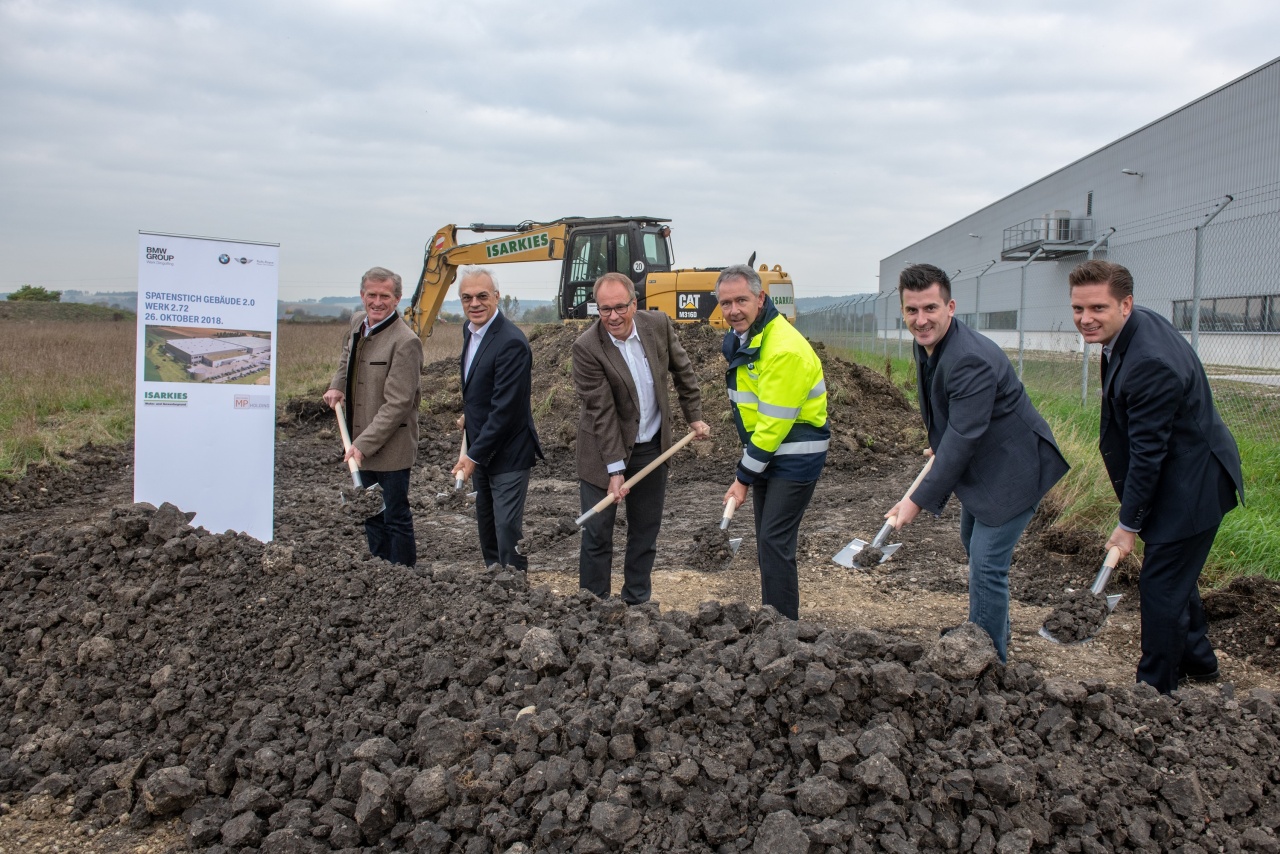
[(780, 407)]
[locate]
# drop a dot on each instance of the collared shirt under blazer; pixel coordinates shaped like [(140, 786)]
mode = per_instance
[(380, 374), (610, 415)]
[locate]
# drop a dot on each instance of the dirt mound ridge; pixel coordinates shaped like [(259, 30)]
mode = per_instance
[(869, 416), (294, 697)]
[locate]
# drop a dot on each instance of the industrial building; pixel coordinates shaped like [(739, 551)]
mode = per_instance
[(251, 343), (204, 351), (1190, 203)]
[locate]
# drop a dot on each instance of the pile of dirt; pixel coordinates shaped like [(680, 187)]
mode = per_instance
[(298, 697), (711, 551), (869, 416), (1078, 617), (1244, 619)]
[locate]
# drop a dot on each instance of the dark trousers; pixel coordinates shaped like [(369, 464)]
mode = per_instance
[(500, 516), (390, 533), (644, 518), (779, 506), (1175, 633)]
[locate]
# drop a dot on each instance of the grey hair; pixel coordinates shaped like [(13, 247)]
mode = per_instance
[(381, 274), (467, 272), (613, 277), (740, 271)]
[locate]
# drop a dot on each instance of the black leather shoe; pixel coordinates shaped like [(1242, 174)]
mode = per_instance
[(1199, 678)]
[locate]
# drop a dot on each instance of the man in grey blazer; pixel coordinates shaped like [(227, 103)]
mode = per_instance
[(1172, 461), (378, 374), (620, 367), (992, 448)]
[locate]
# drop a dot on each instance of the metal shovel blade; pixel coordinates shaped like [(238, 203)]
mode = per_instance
[(734, 544), (845, 556), (848, 556)]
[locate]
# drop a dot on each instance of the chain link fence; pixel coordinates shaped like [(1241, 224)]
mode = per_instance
[(1209, 268)]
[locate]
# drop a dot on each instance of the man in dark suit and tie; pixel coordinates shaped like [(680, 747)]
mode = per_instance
[(502, 444), (1172, 462), (620, 367), (992, 448)]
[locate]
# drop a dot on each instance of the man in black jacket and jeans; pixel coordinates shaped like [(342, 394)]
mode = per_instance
[(993, 449)]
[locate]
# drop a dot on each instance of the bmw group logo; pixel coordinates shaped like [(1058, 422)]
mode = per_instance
[(224, 259)]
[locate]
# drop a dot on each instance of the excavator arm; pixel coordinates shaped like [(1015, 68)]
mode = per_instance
[(528, 241)]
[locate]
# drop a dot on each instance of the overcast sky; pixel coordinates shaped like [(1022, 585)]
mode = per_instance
[(823, 136)]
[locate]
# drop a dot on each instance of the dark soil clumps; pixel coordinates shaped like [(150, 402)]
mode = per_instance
[(710, 551), (1078, 618), (1244, 619), (360, 503), (297, 697), (869, 556)]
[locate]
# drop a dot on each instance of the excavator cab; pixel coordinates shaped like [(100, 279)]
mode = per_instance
[(634, 247)]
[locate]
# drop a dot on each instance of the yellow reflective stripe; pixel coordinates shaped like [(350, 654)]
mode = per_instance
[(819, 390), (742, 396)]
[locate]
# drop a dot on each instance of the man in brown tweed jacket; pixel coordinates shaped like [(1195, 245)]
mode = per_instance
[(378, 375)]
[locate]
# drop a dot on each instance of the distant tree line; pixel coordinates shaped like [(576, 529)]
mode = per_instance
[(27, 293)]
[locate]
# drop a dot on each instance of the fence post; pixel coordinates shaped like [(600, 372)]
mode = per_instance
[(1195, 280), (1022, 305)]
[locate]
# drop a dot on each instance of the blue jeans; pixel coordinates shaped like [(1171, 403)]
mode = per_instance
[(390, 533), (990, 551)]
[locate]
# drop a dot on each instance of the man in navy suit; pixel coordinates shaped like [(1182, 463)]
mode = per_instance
[(1172, 462), (992, 448), (502, 444)]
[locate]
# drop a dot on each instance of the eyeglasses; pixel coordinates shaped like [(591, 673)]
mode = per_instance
[(616, 309), (482, 297)]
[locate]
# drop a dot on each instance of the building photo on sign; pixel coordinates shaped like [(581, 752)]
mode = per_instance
[(192, 354)]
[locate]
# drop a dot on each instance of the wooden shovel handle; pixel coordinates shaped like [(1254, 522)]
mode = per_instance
[(893, 520), (638, 476), (729, 507), (341, 412), (458, 483)]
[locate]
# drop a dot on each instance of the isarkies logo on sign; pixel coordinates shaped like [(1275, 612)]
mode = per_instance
[(164, 398), (517, 244)]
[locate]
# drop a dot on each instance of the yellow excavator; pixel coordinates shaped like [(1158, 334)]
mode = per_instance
[(637, 246)]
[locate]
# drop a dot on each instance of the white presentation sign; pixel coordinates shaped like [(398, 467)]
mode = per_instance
[(205, 407)]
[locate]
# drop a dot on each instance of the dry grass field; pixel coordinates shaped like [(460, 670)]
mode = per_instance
[(64, 383)]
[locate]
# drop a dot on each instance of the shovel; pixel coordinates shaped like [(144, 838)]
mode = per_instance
[(734, 542), (1099, 585), (636, 478), (848, 556), (460, 481), (365, 496)]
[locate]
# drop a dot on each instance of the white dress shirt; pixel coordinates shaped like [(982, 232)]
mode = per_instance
[(650, 418), (477, 335)]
